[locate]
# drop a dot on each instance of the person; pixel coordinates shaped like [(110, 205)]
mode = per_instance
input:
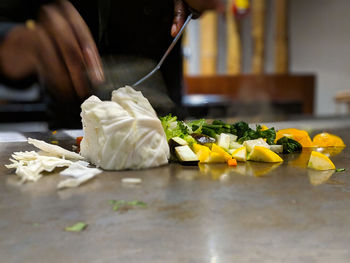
[(60, 42)]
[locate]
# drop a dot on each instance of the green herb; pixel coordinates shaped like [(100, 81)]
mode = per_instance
[(121, 203), (290, 145), (36, 224), (116, 204), (340, 170), (76, 227), (137, 203)]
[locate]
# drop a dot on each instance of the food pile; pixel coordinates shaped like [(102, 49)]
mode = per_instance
[(124, 133), (198, 141), (32, 165)]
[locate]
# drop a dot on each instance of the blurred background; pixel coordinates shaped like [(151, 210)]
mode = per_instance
[(266, 60), (290, 55)]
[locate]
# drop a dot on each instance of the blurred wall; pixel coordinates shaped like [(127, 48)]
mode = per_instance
[(320, 43), (319, 38)]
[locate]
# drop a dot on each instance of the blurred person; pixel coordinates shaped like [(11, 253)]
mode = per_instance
[(60, 43)]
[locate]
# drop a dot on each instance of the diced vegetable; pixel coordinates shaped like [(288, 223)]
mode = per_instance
[(231, 162), (319, 161), (185, 155), (224, 140), (235, 145), (290, 145), (240, 154), (202, 152), (250, 144), (263, 154), (276, 148), (217, 149)]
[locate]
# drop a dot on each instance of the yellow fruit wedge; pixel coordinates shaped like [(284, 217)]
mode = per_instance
[(319, 177), (328, 140), (262, 154), (217, 149), (240, 154), (319, 161), (215, 157), (202, 152)]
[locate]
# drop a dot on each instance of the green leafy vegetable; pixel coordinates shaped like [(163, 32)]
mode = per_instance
[(196, 125), (80, 226), (250, 134), (137, 203), (340, 170), (174, 128), (117, 205), (290, 145)]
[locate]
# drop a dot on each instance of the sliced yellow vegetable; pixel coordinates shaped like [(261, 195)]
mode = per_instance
[(264, 127), (262, 154), (202, 152), (240, 154), (319, 161), (217, 149), (215, 157), (300, 136), (328, 140)]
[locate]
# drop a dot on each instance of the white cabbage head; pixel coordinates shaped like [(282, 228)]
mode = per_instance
[(124, 133)]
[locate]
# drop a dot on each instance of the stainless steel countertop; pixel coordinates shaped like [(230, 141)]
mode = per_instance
[(255, 212)]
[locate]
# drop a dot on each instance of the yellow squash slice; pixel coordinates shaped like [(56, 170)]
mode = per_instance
[(262, 154), (319, 161), (240, 154)]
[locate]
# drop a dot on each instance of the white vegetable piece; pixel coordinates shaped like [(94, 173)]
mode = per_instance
[(124, 133), (235, 145), (30, 165), (185, 154), (224, 140), (80, 173), (131, 180), (54, 149), (276, 148), (250, 144)]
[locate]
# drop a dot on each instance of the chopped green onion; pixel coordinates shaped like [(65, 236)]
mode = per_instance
[(76, 227), (340, 170)]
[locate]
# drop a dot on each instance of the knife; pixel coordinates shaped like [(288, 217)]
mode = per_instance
[(173, 43)]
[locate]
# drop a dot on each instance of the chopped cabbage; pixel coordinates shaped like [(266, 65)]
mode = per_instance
[(124, 133), (80, 173), (54, 149), (30, 165)]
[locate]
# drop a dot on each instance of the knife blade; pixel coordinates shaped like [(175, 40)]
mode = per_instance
[(173, 43)]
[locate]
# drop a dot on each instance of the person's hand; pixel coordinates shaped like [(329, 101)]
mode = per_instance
[(58, 47), (203, 5), (183, 7)]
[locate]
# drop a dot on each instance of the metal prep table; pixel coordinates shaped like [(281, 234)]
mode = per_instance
[(253, 213)]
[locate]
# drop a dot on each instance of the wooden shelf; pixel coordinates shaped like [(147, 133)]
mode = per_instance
[(260, 88)]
